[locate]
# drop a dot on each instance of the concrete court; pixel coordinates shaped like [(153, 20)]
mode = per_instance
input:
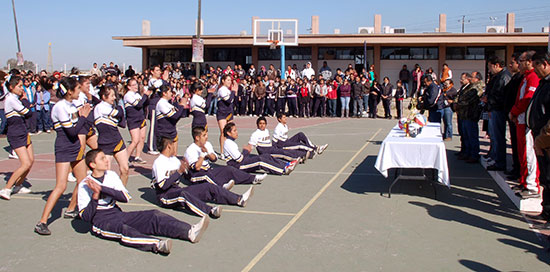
[(328, 215)]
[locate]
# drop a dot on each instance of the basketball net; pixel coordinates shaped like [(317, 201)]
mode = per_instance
[(273, 44)]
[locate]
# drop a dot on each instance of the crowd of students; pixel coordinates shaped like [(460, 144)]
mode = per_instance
[(91, 110)]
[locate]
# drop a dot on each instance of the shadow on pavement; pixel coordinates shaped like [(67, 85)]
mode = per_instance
[(476, 266)]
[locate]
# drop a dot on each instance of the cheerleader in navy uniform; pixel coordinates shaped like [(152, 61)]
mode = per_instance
[(108, 117), (134, 103), (199, 155), (262, 141), (225, 106), (17, 109), (97, 197), (154, 84), (248, 162), (297, 142), (86, 135), (198, 107), (168, 170), (67, 122), (168, 115)]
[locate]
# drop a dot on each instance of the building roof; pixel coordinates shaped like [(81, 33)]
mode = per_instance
[(419, 39)]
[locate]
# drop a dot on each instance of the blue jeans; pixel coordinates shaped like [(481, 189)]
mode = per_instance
[(470, 131), (44, 120), (497, 133), (366, 102), (345, 102), (332, 107), (447, 123), (406, 86), (435, 116), (3, 121)]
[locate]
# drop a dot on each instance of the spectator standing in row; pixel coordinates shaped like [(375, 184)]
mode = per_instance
[(495, 97), (529, 174), (325, 71), (44, 121), (446, 73), (332, 96), (512, 90), (417, 80), (469, 112), (29, 87), (386, 95), (400, 92), (357, 89), (95, 70), (449, 95), (405, 77), (345, 94)]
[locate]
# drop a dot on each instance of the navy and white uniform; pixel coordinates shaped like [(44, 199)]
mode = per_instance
[(88, 128), (168, 116), (215, 175), (169, 193), (107, 121), (134, 104), (67, 124), (225, 104), (262, 141), (16, 112), (296, 142), (131, 228), (198, 107), (250, 163)]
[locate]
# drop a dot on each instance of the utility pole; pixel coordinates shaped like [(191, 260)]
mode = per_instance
[(548, 49), (463, 22), (19, 54), (49, 67), (198, 64)]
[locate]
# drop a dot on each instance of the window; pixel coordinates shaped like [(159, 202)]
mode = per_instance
[(291, 53), (340, 53), (414, 53), (465, 53)]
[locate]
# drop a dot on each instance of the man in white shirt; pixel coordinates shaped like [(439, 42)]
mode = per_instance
[(308, 71)]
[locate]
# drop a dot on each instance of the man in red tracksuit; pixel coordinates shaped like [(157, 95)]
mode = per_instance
[(529, 173)]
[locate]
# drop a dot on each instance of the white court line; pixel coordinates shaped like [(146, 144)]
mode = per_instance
[(282, 232)]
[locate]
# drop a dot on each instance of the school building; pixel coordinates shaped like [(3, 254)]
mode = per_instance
[(463, 52)]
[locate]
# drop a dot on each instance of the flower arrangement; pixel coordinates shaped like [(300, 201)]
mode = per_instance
[(413, 124)]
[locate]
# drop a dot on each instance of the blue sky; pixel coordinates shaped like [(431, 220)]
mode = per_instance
[(81, 31)]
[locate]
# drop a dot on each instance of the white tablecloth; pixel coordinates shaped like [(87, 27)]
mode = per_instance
[(427, 150)]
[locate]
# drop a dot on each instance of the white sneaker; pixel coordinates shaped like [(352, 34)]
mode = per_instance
[(259, 178), (13, 155), (19, 189), (216, 212), (246, 196), (322, 149), (153, 152), (197, 230), (5, 194), (164, 246), (229, 185), (71, 177)]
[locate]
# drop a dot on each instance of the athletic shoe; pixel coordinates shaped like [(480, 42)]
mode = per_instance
[(38, 132), (153, 152), (164, 246), (42, 229), (216, 212), (259, 178), (19, 189), (197, 230), (321, 149), (541, 226), (5, 194), (526, 193), (71, 177), (290, 167), (139, 160), (48, 131), (229, 185), (70, 214), (246, 196), (13, 155)]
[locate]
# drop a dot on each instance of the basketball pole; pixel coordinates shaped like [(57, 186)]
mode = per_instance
[(283, 61)]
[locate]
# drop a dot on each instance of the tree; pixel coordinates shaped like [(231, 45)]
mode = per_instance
[(27, 65)]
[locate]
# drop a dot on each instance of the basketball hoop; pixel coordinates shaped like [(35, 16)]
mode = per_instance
[(273, 44)]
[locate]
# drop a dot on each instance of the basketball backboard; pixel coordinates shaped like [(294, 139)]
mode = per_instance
[(279, 31)]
